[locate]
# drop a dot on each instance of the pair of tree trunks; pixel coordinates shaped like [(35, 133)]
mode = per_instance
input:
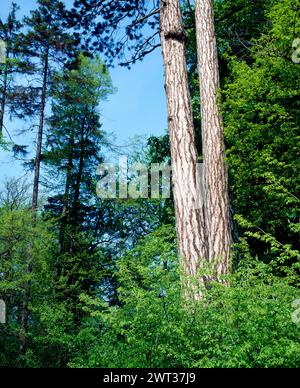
[(201, 208)]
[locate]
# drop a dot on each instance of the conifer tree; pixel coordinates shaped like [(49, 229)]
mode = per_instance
[(47, 45), (16, 98), (73, 151)]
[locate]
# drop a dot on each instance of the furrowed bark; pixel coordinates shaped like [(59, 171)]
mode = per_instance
[(190, 223), (217, 215)]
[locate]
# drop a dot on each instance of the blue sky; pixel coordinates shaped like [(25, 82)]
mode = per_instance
[(137, 108)]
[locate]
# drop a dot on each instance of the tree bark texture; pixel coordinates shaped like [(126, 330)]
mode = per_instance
[(217, 216), (189, 212)]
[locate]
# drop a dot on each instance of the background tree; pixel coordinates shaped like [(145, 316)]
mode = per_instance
[(73, 150), (9, 31), (261, 127), (46, 43), (17, 96)]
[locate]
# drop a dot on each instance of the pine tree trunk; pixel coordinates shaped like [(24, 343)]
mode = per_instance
[(215, 170), (37, 167), (186, 177), (65, 221), (79, 175), (4, 94)]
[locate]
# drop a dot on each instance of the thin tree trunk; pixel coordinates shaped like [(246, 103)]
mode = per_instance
[(217, 216), (4, 94), (37, 167), (190, 223), (78, 181), (64, 222)]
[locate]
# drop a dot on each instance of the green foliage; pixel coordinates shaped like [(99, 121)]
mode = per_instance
[(246, 325), (19, 240), (260, 107)]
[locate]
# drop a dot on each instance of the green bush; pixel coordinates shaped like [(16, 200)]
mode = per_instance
[(246, 325)]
